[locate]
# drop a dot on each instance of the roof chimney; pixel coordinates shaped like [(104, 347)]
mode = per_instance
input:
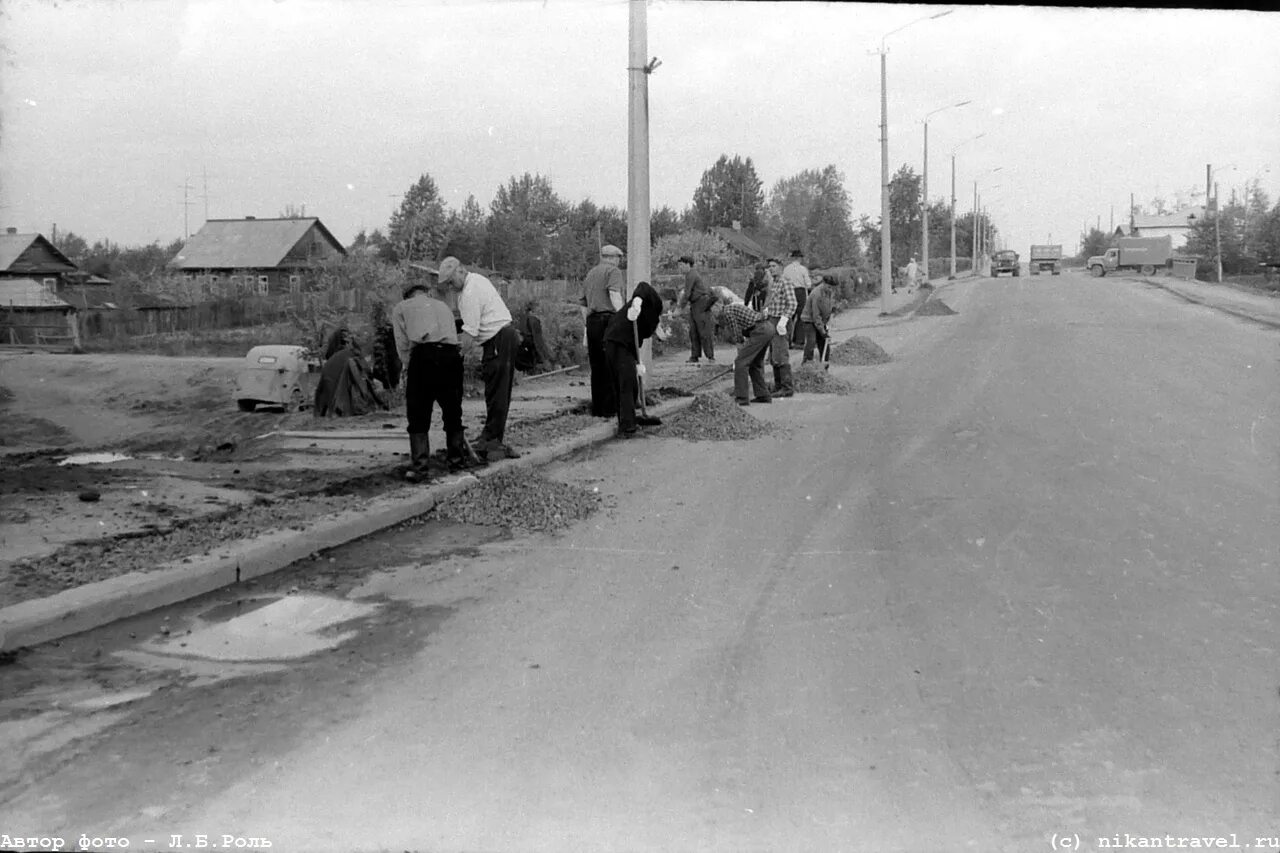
[(11, 230), (251, 217)]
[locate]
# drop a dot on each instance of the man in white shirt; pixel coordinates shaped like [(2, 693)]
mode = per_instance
[(796, 276), (486, 321)]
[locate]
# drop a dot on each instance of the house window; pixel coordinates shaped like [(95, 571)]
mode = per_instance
[(295, 283), (235, 282), (51, 285), (262, 285)]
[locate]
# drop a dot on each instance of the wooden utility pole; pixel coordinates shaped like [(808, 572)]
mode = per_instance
[(639, 67)]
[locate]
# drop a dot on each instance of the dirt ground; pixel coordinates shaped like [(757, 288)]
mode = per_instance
[(177, 467)]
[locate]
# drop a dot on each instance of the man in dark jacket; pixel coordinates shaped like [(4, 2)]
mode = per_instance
[(630, 326), (345, 388), (698, 296)]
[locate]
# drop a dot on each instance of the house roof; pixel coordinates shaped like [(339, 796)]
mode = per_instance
[(28, 293), (739, 241), (90, 297), (246, 243), (13, 245)]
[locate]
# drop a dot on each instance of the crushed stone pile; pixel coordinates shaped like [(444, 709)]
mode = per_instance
[(936, 308), (519, 499), (714, 417), (812, 379), (859, 350), (538, 432)]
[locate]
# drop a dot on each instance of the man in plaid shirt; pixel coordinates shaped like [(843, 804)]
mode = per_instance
[(748, 368), (779, 305)]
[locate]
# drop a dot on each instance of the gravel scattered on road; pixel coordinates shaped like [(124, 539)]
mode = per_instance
[(859, 350), (714, 417), (519, 499)]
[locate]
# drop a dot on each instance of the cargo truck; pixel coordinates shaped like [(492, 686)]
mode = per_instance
[(1006, 260), (1045, 258), (1143, 254)]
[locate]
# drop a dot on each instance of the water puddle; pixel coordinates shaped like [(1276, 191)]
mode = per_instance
[(94, 459), (260, 630)]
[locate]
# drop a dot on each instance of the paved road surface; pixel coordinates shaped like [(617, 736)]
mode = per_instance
[(1022, 583)]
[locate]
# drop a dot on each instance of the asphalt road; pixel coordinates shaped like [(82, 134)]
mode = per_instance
[(1022, 583)]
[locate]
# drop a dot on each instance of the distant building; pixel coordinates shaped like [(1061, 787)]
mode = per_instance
[(32, 314), (1176, 225), (31, 256), (257, 256)]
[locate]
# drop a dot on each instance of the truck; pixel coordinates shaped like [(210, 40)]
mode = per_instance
[(1143, 254), (1045, 257), (1006, 260)]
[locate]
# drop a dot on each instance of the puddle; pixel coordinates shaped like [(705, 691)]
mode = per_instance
[(291, 627), (231, 609), (94, 459)]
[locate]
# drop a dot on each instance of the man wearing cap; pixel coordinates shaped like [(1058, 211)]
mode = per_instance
[(779, 305), (699, 298), (603, 292), (486, 321), (427, 344), (796, 275)]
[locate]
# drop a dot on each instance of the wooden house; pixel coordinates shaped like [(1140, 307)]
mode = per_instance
[(231, 257)]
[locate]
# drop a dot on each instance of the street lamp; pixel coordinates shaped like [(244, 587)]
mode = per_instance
[(925, 194), (886, 275), (1217, 213), (953, 203), (976, 209)]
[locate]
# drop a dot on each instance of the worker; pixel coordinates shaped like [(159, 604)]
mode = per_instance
[(814, 317), (779, 306), (698, 297), (796, 275), (756, 333), (487, 322), (913, 275), (629, 328), (427, 344), (603, 292)]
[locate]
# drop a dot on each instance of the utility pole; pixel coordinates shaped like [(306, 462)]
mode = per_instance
[(973, 239), (886, 271), (953, 216), (639, 67), (1217, 231), (186, 210), (205, 172)]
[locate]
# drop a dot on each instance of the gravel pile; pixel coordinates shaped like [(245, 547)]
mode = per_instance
[(519, 499), (539, 432), (81, 563), (812, 379), (713, 417), (936, 308), (859, 350)]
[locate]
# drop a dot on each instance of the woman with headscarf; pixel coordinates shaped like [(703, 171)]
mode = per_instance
[(346, 388)]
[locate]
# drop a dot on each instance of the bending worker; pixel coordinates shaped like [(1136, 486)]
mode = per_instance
[(603, 293), (427, 344), (486, 321), (628, 328)]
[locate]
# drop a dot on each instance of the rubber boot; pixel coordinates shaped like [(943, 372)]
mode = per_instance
[(777, 379), (419, 455), (785, 388), (458, 453)]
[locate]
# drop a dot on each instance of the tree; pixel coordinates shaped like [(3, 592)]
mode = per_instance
[(1267, 238), (525, 216), (662, 222), (417, 230), (905, 219), (706, 249), (466, 232), (729, 191), (1094, 243), (810, 211), (72, 245)]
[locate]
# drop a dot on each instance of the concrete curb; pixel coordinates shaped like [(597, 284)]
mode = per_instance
[(1243, 314), (72, 611)]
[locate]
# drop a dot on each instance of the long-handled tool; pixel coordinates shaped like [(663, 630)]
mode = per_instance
[(826, 352), (635, 335)]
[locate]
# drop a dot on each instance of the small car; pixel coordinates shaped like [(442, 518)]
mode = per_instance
[(277, 375)]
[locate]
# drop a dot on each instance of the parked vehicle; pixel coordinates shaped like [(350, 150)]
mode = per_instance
[(1143, 254), (277, 375), (1006, 260), (1045, 258)]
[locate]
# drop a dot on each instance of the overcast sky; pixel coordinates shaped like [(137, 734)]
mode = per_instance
[(110, 108)]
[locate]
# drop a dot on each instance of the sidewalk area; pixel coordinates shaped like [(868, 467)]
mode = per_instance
[(1237, 301)]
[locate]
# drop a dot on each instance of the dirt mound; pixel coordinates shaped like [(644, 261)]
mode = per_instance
[(812, 379), (859, 350), (936, 308), (713, 417), (519, 499)]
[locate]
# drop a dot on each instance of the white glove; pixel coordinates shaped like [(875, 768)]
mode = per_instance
[(633, 311), (640, 369), (782, 327)]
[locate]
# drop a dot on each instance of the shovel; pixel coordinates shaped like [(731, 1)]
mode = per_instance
[(635, 334), (826, 353)]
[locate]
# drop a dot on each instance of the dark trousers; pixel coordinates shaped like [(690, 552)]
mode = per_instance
[(435, 376), (748, 367), (604, 403), (702, 332), (622, 370), (498, 369), (797, 334), (813, 338)]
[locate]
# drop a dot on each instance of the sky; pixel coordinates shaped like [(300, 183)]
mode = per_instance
[(129, 120)]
